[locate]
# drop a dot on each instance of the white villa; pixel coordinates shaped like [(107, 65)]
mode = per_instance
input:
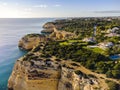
[(112, 32), (112, 35), (89, 39), (105, 45)]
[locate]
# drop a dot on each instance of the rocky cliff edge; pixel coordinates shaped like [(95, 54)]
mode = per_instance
[(36, 72)]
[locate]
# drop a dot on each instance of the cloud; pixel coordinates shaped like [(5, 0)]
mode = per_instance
[(4, 4), (57, 5), (27, 9), (110, 11), (41, 6)]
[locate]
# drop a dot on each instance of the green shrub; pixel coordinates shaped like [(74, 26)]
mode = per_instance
[(113, 85)]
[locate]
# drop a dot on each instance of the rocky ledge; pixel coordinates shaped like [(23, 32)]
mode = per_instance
[(49, 26), (35, 71), (31, 40), (61, 35)]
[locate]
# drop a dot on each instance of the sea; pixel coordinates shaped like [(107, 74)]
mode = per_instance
[(11, 31)]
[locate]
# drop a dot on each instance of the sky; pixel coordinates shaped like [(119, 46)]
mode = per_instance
[(58, 8)]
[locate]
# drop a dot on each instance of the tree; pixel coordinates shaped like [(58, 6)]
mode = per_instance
[(109, 74), (113, 85), (102, 27), (90, 64), (102, 66), (117, 66), (116, 73)]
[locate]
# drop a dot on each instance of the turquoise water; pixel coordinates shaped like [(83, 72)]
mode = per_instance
[(11, 30)]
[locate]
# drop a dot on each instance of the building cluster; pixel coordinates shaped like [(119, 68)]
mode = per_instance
[(114, 32)]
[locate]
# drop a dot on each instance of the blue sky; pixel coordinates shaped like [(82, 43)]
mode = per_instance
[(58, 8)]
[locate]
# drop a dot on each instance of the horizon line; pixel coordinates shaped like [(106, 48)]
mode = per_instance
[(60, 17)]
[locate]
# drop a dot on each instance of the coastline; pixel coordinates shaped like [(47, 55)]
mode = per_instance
[(39, 66), (11, 30)]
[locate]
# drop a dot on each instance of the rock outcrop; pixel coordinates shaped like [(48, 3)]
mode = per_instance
[(31, 40), (61, 35), (36, 72), (48, 28), (54, 29), (40, 76), (48, 75), (58, 24)]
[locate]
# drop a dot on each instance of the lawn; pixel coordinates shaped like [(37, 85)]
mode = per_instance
[(68, 42), (71, 41), (64, 43), (97, 50)]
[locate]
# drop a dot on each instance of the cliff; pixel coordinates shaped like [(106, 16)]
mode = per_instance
[(40, 76), (61, 35), (37, 72), (58, 24), (31, 40), (48, 28)]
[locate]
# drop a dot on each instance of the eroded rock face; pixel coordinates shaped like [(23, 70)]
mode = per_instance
[(18, 78), (61, 35), (31, 40), (48, 28), (40, 73), (34, 71), (71, 81), (55, 31), (34, 75), (48, 25)]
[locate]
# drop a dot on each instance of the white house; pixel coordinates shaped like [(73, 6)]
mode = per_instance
[(89, 39), (113, 30), (112, 35), (105, 45)]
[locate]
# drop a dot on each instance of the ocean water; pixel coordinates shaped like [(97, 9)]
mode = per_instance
[(11, 30)]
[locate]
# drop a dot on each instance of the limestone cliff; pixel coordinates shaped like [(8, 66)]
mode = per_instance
[(31, 40), (55, 31), (37, 72), (58, 24), (61, 35), (48, 28), (40, 76)]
